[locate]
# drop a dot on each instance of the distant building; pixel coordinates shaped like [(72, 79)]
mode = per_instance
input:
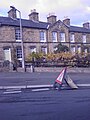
[(40, 36)]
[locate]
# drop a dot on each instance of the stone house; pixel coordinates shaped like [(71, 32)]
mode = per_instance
[(40, 36)]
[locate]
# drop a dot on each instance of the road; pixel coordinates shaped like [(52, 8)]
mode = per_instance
[(44, 105), (9, 79)]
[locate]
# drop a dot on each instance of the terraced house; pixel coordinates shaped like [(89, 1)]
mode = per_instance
[(40, 36)]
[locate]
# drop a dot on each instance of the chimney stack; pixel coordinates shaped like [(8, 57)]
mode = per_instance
[(12, 13), (52, 18), (66, 21), (86, 25), (34, 15)]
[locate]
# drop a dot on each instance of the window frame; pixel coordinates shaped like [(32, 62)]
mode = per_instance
[(79, 49), (17, 35), (72, 37), (19, 52), (62, 37), (42, 36), (44, 49), (54, 36), (84, 38), (73, 49), (32, 49)]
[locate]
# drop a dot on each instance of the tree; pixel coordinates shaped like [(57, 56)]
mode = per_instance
[(35, 56), (61, 48)]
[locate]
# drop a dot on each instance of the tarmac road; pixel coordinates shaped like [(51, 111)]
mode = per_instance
[(24, 104), (15, 78), (46, 105)]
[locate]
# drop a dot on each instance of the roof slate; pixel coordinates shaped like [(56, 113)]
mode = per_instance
[(25, 23), (79, 29), (37, 24)]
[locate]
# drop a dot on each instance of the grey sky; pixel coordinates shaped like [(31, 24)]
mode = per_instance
[(77, 10)]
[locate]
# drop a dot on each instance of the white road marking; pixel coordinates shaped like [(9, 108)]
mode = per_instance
[(36, 90), (13, 89), (25, 86), (10, 88), (11, 92), (83, 85), (39, 86)]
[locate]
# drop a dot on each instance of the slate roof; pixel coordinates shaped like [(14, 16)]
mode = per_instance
[(79, 29), (37, 24), (25, 23)]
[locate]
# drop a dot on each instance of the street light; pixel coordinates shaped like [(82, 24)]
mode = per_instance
[(22, 46)]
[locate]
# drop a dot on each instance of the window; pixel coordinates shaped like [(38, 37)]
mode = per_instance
[(33, 49), (54, 36), (19, 53), (62, 37), (44, 50), (73, 49), (85, 50), (17, 35), (72, 38), (79, 49), (42, 36), (84, 38), (54, 49)]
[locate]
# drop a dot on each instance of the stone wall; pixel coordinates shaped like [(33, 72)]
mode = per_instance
[(57, 69), (31, 37)]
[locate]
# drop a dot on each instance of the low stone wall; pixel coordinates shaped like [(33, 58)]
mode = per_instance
[(48, 69), (4, 69), (58, 69)]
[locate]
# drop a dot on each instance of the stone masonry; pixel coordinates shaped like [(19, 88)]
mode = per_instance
[(31, 35)]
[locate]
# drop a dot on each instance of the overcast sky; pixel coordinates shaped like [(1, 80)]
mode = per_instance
[(77, 10)]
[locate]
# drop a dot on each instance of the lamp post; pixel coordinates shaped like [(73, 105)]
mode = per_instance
[(22, 46)]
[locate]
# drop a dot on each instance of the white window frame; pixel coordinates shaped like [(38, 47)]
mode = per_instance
[(85, 50), (19, 53), (79, 49), (62, 37), (54, 49), (42, 36), (73, 49), (84, 39), (32, 49), (17, 35), (72, 37), (54, 36), (44, 49)]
